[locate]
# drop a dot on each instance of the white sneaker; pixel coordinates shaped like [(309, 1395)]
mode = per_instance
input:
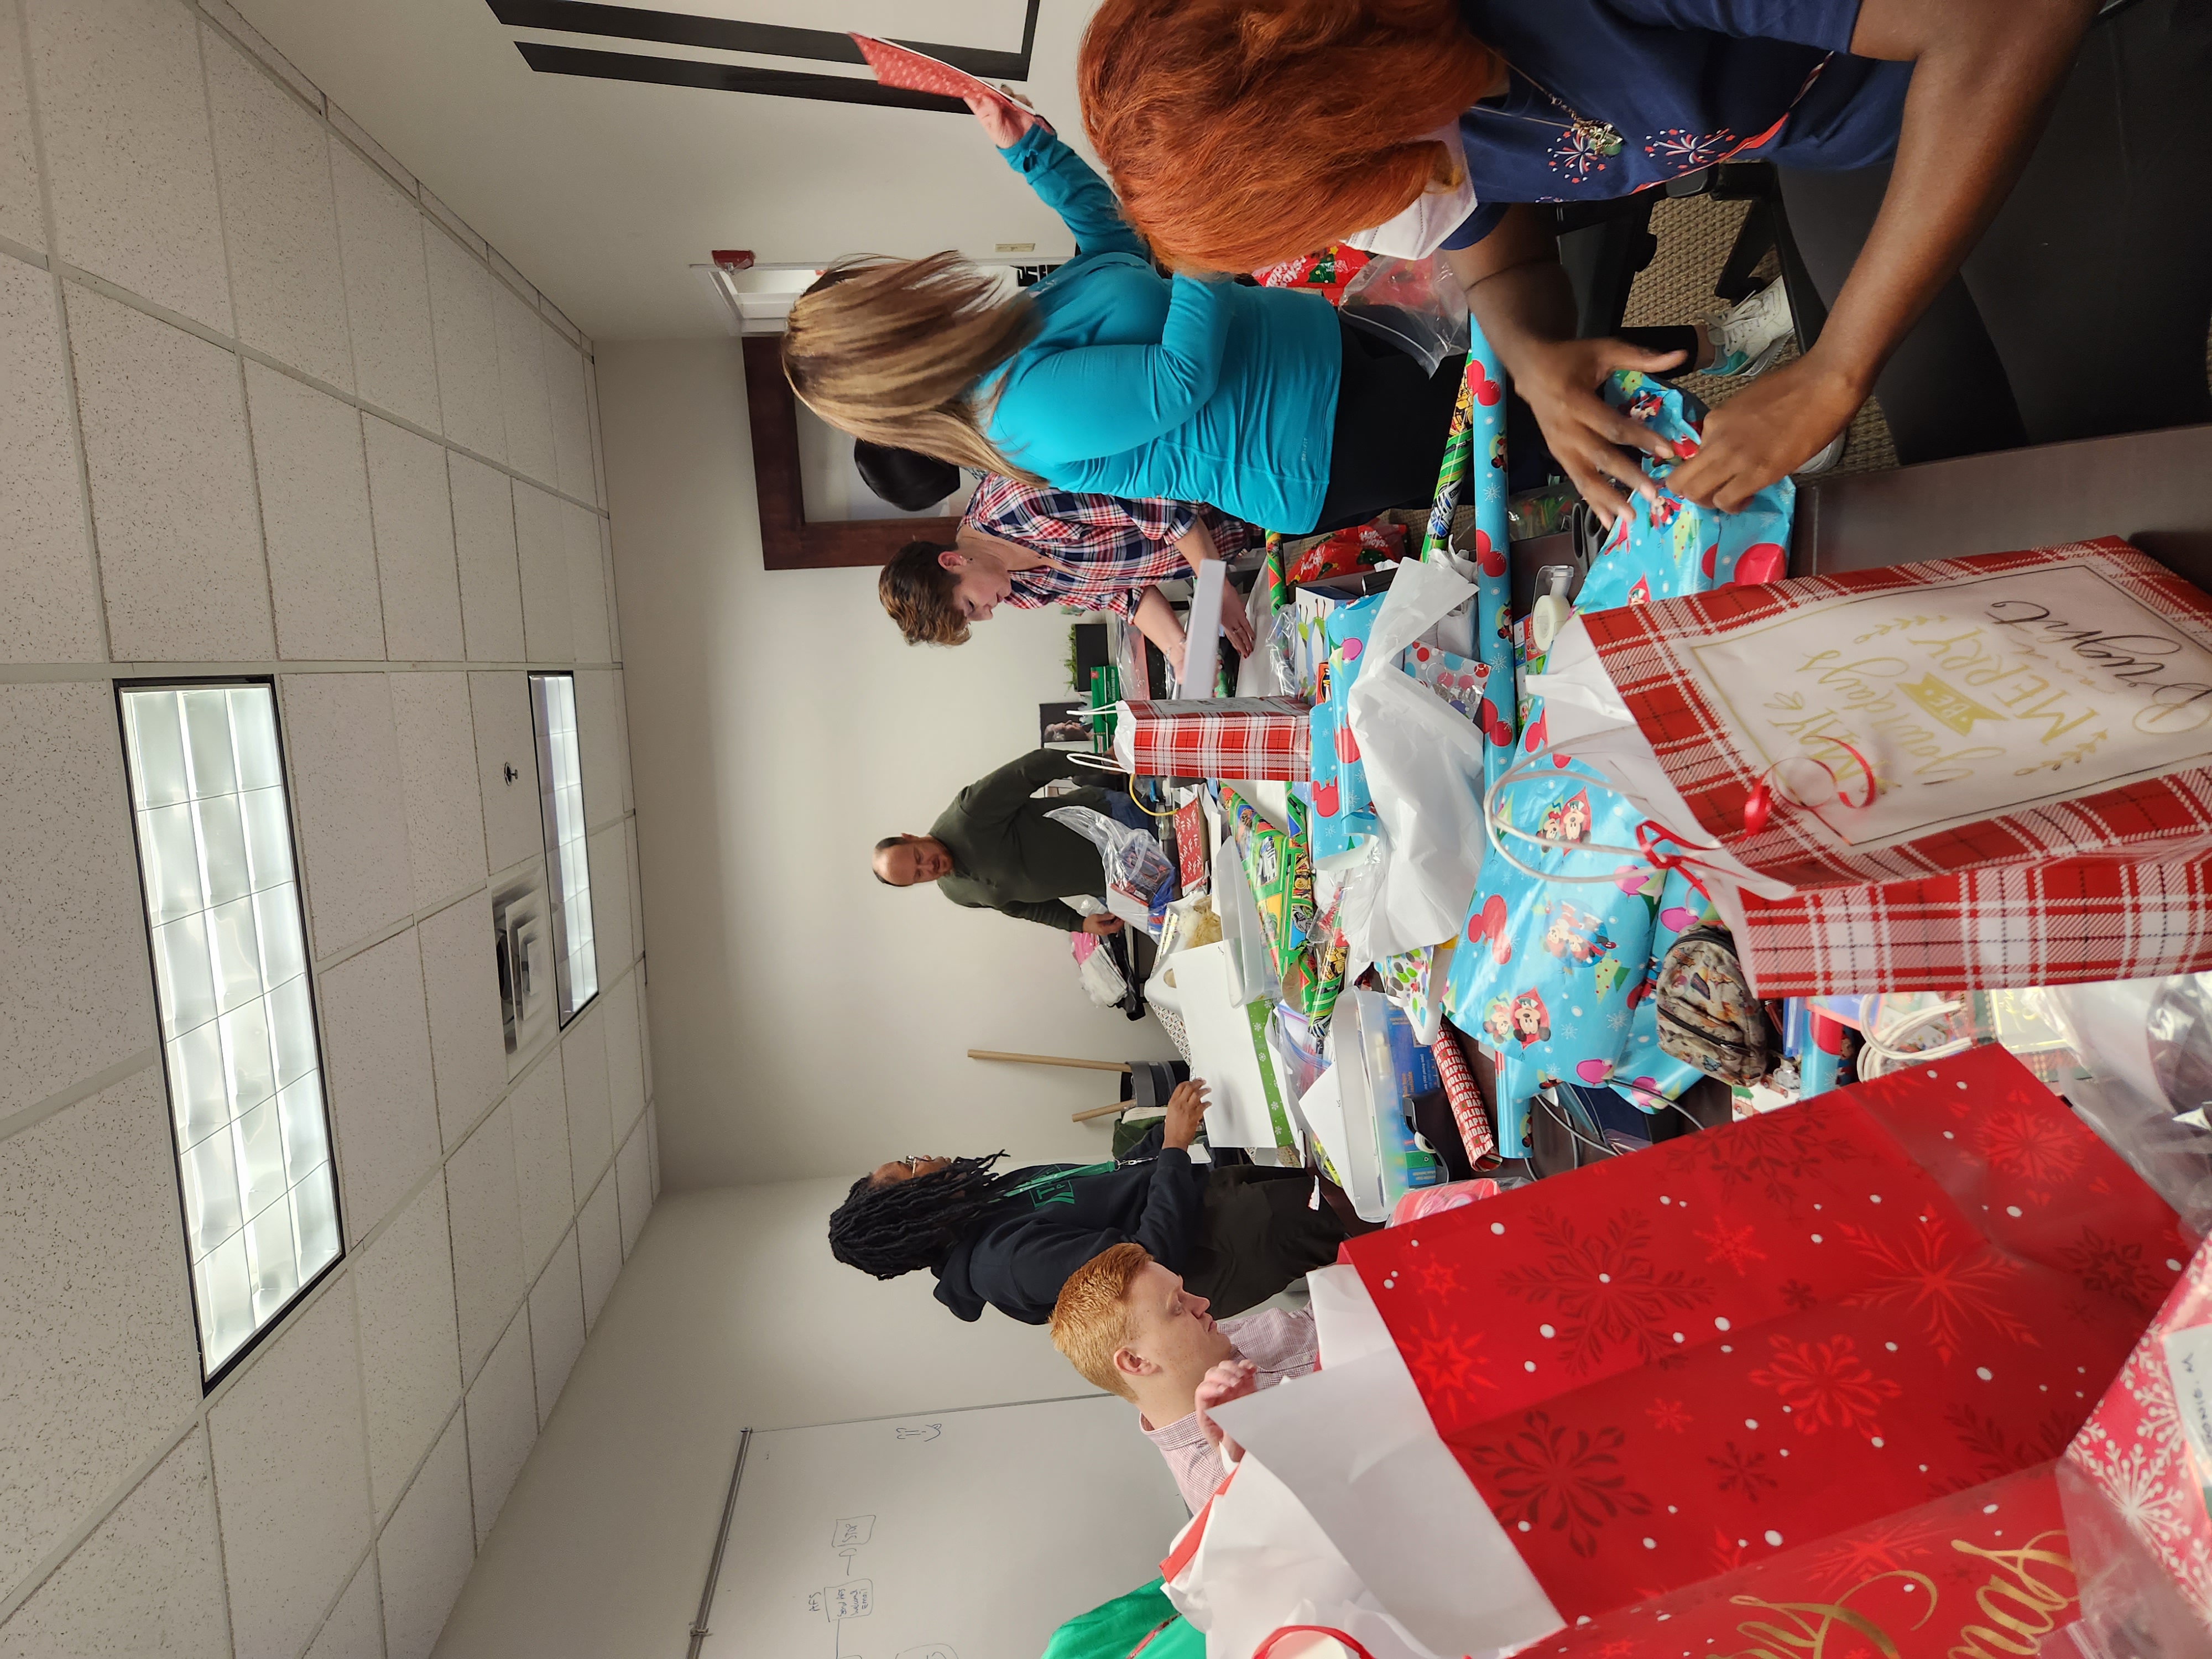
[(1750, 339), (1831, 452)]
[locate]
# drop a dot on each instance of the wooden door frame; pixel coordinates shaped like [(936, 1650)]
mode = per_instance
[(789, 540)]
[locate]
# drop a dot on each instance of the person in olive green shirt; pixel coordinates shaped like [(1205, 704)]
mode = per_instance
[(994, 849)]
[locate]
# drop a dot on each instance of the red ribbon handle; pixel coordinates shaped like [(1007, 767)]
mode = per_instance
[(1275, 1635)]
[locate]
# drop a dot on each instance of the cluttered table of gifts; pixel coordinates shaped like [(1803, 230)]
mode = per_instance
[(1576, 806)]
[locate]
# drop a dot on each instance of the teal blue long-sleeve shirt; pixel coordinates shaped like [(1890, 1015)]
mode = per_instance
[(1137, 386)]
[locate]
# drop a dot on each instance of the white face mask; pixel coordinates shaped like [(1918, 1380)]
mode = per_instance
[(1433, 215)]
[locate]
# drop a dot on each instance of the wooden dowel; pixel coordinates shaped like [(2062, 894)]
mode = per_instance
[(1051, 1059), (1101, 1111)]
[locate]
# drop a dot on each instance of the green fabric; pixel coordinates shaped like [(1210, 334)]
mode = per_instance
[(1052, 1186), (1008, 856), (1113, 1631)]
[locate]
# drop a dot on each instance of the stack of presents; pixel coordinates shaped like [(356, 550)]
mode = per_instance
[(1767, 1010)]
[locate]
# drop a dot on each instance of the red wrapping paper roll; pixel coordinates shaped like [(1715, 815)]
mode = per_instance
[(1474, 1131)]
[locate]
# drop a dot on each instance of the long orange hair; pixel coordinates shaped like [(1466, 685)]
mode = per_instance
[(1240, 133)]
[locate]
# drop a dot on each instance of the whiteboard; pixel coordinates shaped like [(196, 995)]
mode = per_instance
[(966, 1534)]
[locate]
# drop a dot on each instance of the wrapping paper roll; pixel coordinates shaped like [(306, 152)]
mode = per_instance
[(1474, 1131)]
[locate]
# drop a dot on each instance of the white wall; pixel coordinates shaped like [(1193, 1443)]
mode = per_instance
[(730, 1315), (807, 1020)]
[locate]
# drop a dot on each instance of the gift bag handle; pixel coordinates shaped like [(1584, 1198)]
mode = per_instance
[(1274, 1637)]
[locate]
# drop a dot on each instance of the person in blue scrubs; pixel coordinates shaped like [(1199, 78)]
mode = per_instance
[(1898, 126), (1109, 379)]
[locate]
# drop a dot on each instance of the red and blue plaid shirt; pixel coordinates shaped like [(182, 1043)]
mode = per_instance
[(1104, 552)]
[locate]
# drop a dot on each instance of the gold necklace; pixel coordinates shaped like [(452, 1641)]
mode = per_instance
[(1598, 138)]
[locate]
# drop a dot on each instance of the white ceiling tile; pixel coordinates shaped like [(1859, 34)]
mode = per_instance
[(460, 973), (21, 216), (79, 981), (291, 1479), (544, 1190), (438, 772), (527, 412), (557, 1324), (314, 510), (541, 545), (95, 1313), (376, 1035), (410, 1359), (611, 922), (411, 502), (588, 583), (149, 1579), (468, 351), (572, 415), (633, 1187), (488, 1282), (345, 787), (502, 1419), (424, 1555), (279, 221), (355, 1629), (49, 610), (171, 499), (387, 288), (599, 1239), (125, 116), (483, 542), (591, 1116), (515, 823)]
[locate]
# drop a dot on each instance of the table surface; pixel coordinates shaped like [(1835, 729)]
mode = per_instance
[(2153, 488)]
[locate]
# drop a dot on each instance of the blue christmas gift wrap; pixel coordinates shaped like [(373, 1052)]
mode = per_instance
[(1545, 968), (1675, 547), (1646, 1074), (1344, 812)]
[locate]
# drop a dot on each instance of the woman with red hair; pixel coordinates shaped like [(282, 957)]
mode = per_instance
[(1240, 132)]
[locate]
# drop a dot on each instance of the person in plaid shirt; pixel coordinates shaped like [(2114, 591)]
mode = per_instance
[(1030, 545)]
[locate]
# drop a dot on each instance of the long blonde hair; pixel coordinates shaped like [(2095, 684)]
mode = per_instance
[(890, 350)]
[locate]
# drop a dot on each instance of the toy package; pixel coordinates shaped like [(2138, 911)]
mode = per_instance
[(1361, 547), (1281, 874), (1677, 547)]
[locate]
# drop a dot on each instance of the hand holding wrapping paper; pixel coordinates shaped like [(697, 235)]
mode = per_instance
[(1659, 551)]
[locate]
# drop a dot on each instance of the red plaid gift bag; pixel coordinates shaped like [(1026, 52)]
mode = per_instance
[(2065, 922), (1770, 1335), (2012, 708), (1214, 738)]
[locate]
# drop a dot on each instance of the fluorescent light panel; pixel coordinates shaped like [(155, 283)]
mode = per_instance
[(237, 1023), (568, 868)]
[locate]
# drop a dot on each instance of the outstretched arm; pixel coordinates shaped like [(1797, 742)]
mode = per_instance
[(1063, 180), (1984, 74)]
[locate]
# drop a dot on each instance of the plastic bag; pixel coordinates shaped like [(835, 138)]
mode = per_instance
[(1677, 547), (1139, 880), (1416, 305), (2142, 1047)]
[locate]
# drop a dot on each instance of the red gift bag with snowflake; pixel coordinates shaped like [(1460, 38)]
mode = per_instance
[(1752, 1340)]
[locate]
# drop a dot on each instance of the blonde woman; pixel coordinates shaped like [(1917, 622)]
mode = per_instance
[(1110, 380)]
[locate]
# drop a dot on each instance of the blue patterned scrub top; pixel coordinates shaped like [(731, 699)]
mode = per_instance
[(1683, 83)]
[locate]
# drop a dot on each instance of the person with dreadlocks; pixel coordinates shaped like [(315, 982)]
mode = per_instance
[(1236, 1234)]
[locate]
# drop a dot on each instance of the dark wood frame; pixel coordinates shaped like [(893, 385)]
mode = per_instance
[(788, 540)]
